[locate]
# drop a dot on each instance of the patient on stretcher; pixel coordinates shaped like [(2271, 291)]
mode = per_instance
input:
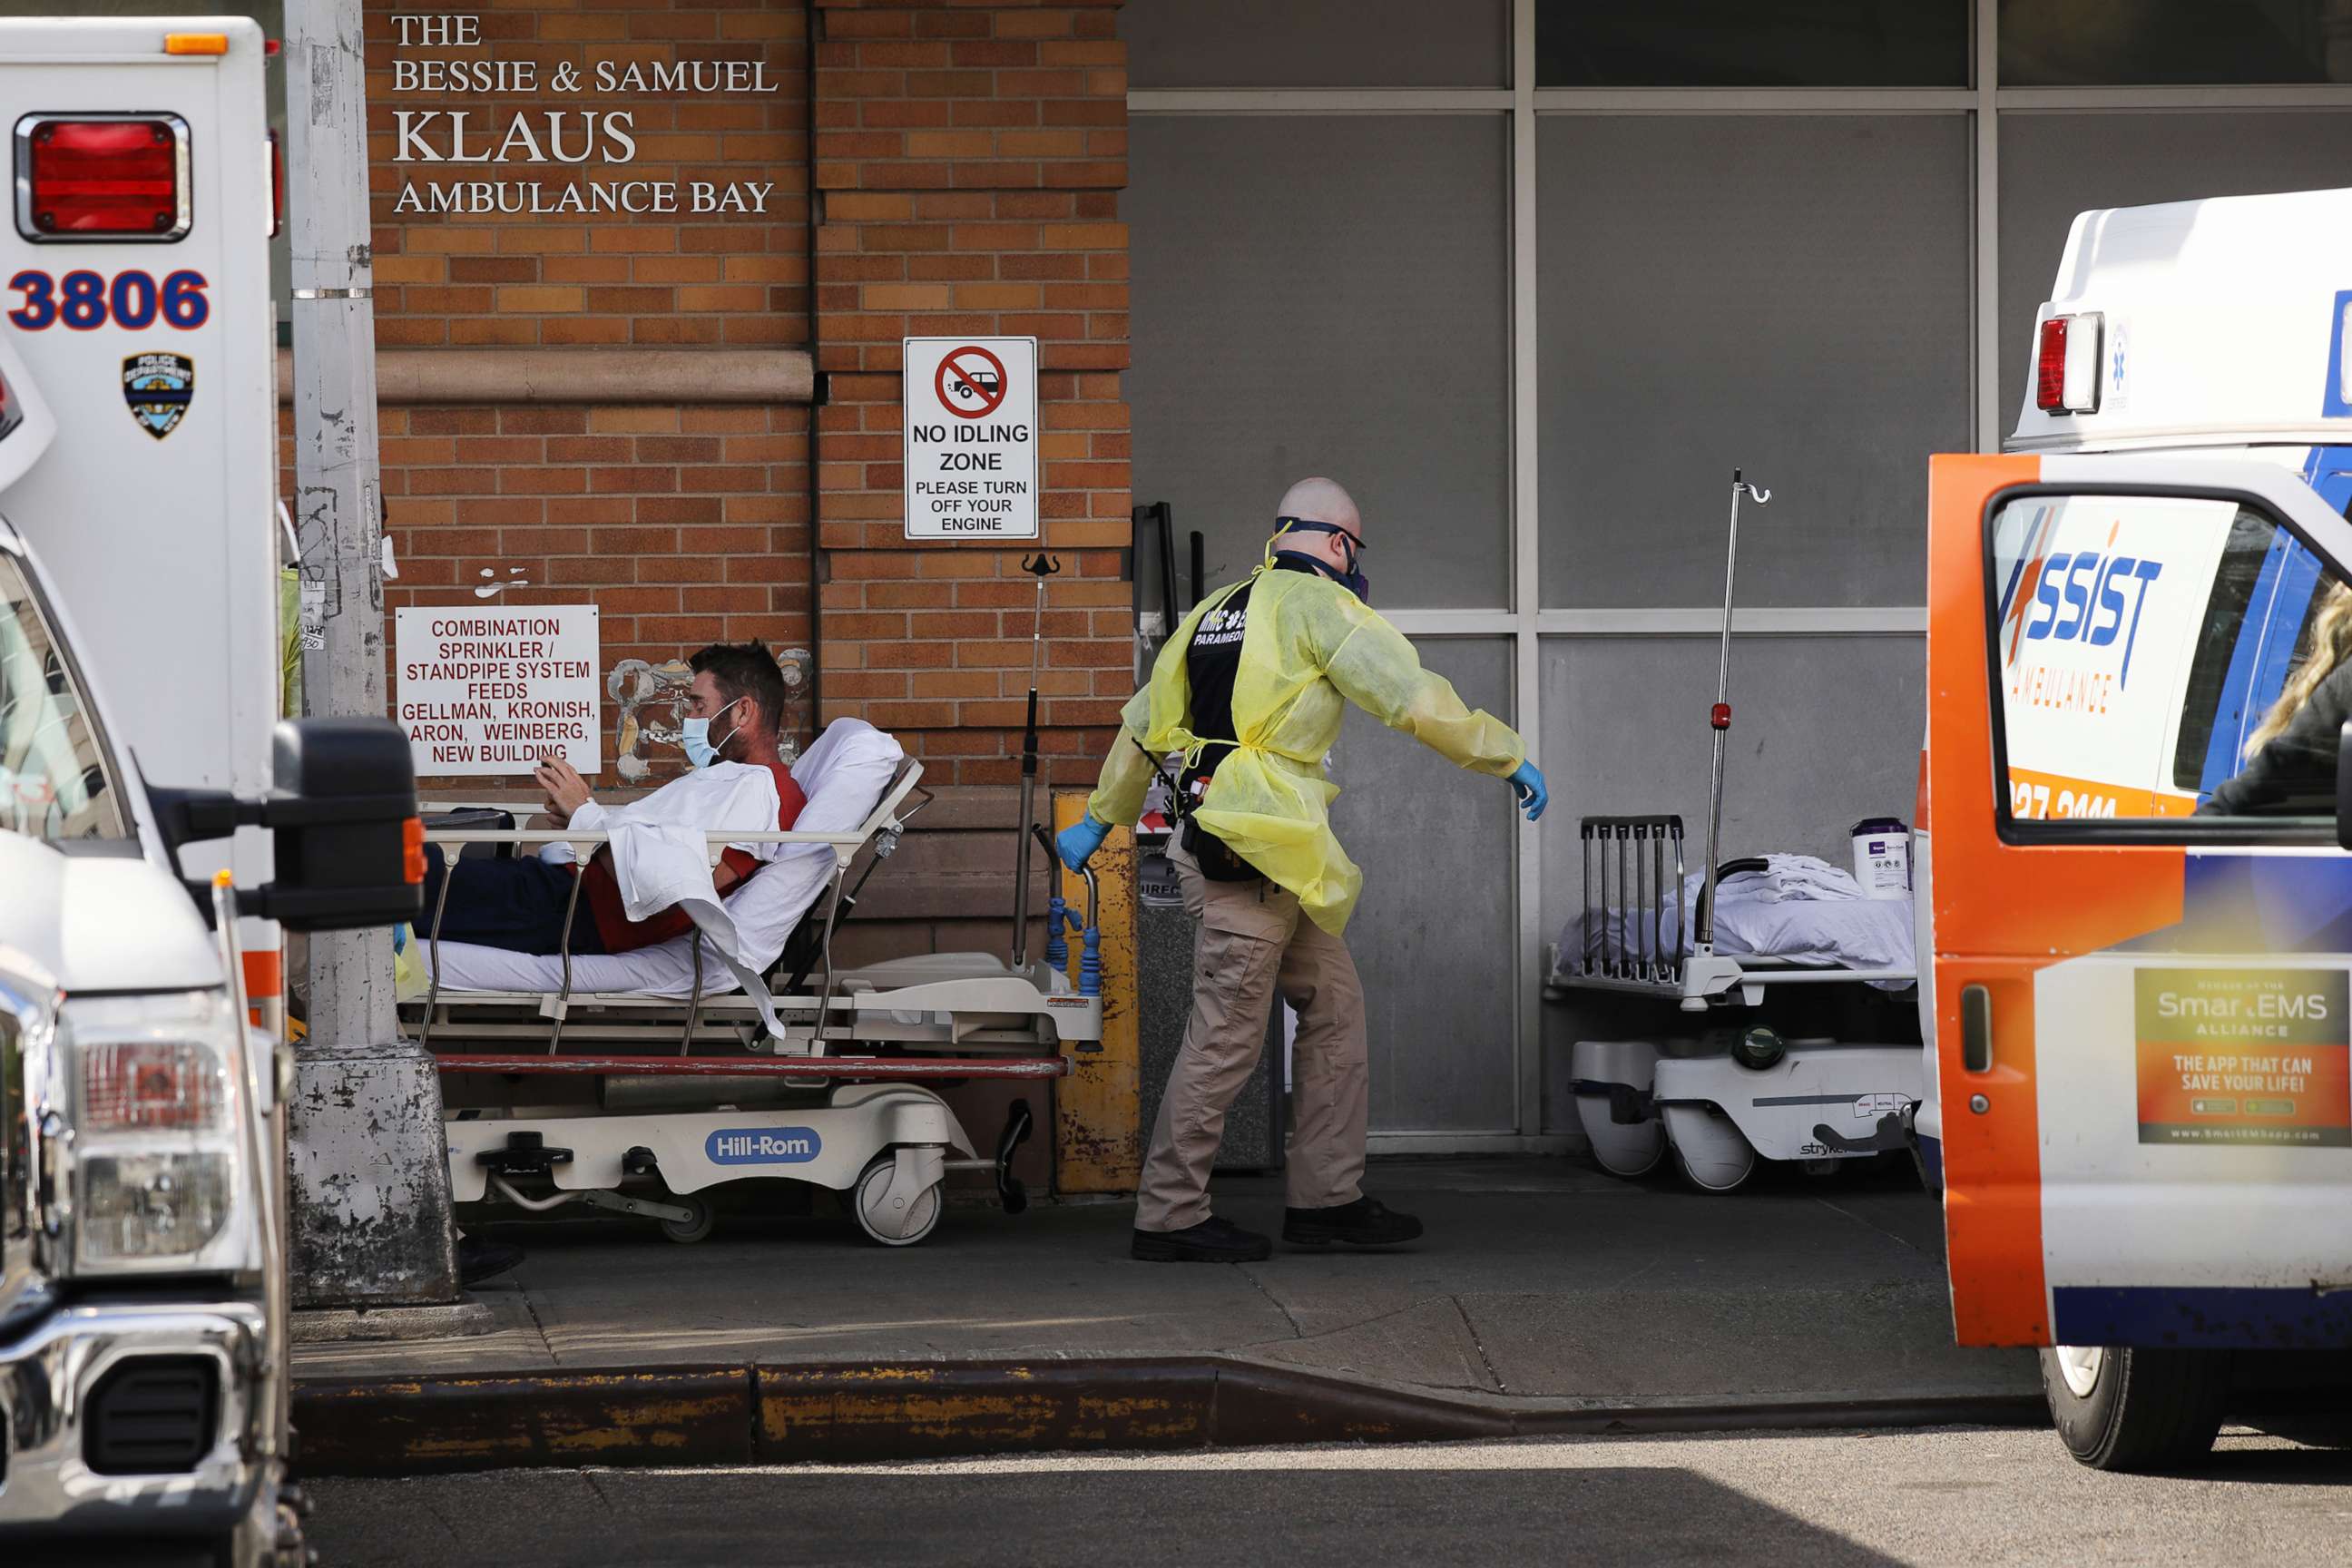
[(734, 715)]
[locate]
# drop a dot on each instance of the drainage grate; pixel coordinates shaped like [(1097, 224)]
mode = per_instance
[(152, 1417)]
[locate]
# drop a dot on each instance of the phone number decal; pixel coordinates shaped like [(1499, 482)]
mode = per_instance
[(85, 301)]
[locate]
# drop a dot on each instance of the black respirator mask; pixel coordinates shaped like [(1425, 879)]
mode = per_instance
[(1352, 578)]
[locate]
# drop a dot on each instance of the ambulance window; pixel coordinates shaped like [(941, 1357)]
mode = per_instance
[(2131, 637), (2211, 690), (54, 782)]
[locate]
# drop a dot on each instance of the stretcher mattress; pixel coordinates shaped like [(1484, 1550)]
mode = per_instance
[(844, 775), (1802, 911)]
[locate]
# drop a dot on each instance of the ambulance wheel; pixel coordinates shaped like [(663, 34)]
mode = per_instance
[(889, 1218), (2132, 1408), (696, 1223), (1718, 1176)]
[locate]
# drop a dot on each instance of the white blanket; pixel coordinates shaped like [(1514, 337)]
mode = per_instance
[(1799, 910), (844, 775)]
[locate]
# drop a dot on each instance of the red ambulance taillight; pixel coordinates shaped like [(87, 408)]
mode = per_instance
[(2066, 364), (277, 186), (114, 177)]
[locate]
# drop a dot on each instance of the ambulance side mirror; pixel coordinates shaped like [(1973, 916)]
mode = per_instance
[(349, 846), (343, 818)]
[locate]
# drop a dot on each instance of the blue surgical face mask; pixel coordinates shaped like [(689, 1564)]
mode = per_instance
[(696, 740), (1352, 579)]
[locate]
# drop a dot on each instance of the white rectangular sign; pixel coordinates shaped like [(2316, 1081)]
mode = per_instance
[(971, 438), (489, 691)]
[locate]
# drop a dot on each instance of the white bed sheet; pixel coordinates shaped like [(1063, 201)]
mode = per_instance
[(843, 774), (1804, 912)]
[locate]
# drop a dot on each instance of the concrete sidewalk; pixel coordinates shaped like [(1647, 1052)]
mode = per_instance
[(1543, 1288)]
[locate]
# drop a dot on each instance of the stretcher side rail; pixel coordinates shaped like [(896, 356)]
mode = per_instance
[(881, 827), (1636, 936), (848, 1068)]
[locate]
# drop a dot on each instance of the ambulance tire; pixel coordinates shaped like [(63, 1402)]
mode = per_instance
[(2137, 1409), (699, 1219), (871, 1201)]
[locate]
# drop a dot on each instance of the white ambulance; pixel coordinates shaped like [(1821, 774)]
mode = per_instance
[(2136, 924), (158, 825)]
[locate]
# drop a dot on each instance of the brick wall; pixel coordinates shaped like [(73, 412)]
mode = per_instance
[(968, 165), (563, 279), (967, 170), (684, 524)]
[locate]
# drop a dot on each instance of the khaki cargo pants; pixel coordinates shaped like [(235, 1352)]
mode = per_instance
[(1254, 943)]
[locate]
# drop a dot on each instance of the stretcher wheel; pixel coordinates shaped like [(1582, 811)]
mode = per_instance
[(887, 1217), (1714, 1155), (696, 1226)]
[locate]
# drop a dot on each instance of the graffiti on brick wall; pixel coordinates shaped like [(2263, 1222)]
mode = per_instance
[(649, 704)]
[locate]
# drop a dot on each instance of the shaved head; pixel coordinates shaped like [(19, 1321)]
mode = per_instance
[(1321, 501)]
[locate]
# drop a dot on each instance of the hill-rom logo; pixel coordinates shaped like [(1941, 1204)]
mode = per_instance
[(763, 1145)]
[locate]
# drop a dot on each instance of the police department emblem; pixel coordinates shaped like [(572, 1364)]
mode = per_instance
[(159, 388)]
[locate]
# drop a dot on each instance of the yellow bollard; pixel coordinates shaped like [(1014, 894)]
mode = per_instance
[(1098, 1142)]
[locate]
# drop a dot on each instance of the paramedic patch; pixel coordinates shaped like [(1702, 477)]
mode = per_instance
[(159, 388), (762, 1145)]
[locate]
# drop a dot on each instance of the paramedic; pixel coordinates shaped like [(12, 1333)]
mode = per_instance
[(1251, 690), (520, 904)]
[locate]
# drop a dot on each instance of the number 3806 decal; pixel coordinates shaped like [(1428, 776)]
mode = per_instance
[(84, 301)]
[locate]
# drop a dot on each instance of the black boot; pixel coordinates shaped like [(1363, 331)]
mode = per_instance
[(1211, 1241), (1367, 1222), (480, 1261)]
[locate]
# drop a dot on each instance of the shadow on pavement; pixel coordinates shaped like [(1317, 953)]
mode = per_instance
[(1432, 1519)]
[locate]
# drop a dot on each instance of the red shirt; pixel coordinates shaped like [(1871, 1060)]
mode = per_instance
[(601, 890)]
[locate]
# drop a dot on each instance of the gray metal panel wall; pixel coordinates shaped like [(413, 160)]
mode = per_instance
[(2054, 166), (1327, 296), (1785, 294), (1316, 42), (1434, 935), (1825, 732)]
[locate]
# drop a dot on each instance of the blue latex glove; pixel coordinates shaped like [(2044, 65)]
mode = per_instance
[(1078, 841), (1529, 781)]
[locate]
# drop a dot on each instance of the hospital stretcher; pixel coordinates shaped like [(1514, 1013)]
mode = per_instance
[(637, 1082), (1711, 1106), (1636, 936)]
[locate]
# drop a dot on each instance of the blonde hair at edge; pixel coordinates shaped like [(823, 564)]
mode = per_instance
[(2331, 645)]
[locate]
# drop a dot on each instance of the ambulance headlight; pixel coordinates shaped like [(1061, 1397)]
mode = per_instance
[(152, 1206), (156, 1169)]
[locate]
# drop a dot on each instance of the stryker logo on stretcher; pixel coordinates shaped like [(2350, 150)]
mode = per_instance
[(763, 1145)]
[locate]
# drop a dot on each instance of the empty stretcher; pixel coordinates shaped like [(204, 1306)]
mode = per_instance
[(1634, 931)]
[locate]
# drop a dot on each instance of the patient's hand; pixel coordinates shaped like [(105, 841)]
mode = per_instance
[(567, 791)]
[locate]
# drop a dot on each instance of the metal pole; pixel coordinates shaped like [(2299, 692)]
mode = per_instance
[(1043, 567), (1719, 717), (336, 488)]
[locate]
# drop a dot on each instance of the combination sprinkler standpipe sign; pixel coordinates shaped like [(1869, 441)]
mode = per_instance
[(971, 438), (492, 690)]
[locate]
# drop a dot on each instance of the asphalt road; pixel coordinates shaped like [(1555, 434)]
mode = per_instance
[(1957, 1497)]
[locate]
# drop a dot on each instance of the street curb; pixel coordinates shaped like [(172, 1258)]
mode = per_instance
[(752, 1413)]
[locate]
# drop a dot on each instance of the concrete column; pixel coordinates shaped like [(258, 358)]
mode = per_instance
[(369, 1186), (369, 1192)]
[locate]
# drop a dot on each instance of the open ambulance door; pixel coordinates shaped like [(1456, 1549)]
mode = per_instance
[(2140, 984)]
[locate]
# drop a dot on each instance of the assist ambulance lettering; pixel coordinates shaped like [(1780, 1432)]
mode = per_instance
[(2067, 610)]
